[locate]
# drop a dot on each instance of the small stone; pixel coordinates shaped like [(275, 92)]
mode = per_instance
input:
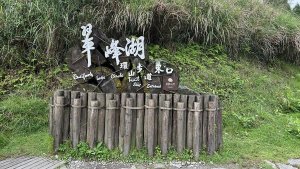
[(294, 162), (270, 164), (159, 166), (284, 166), (133, 167)]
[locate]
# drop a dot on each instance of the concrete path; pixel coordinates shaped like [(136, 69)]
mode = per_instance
[(31, 163)]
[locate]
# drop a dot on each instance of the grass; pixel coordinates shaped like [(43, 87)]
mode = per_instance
[(41, 37), (260, 107)]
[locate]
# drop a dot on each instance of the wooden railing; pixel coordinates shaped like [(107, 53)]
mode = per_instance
[(136, 120)]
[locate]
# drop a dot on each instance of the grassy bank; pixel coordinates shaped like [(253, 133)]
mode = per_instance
[(261, 109)]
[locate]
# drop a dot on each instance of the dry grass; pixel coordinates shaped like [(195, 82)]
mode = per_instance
[(43, 30)]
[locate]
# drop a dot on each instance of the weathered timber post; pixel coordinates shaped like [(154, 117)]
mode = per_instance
[(190, 117), (161, 100), (155, 99), (76, 112), (219, 126), (140, 120), (151, 126), (101, 117), (109, 96), (176, 99), (58, 117), (117, 118), (111, 115), (196, 130), (122, 121), (67, 109), (180, 127), (83, 117), (211, 125), (165, 127), (92, 123), (184, 99), (134, 116), (200, 101), (147, 98), (74, 95), (51, 118), (169, 97), (128, 126), (205, 121)]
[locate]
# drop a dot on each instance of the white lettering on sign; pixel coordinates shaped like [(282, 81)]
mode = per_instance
[(100, 77), (82, 76), (114, 50), (124, 65), (113, 76), (150, 86), (148, 76), (139, 68), (158, 67), (137, 84), (88, 44), (135, 47), (131, 73), (169, 70), (134, 79)]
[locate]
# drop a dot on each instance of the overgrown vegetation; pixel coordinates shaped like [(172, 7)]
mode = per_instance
[(39, 32)]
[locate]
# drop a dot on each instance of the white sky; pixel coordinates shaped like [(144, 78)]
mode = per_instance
[(293, 3)]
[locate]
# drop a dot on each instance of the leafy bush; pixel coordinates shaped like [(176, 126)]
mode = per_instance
[(294, 126)]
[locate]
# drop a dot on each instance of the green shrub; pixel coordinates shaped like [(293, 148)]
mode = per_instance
[(294, 127)]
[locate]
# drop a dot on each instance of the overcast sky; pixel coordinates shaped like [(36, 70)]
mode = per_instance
[(293, 3)]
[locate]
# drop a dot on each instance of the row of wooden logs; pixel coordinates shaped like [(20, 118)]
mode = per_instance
[(137, 120)]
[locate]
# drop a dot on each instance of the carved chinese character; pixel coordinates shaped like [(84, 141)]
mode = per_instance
[(124, 65), (135, 47), (88, 44), (169, 70), (158, 69), (114, 50), (139, 68)]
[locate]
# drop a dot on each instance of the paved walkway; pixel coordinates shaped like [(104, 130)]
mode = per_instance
[(31, 163)]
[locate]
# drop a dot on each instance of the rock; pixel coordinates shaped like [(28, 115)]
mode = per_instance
[(159, 166), (284, 166), (270, 164), (294, 162)]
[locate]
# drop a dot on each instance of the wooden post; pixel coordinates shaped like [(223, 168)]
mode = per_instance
[(180, 127), (128, 126), (165, 127), (176, 99), (109, 96), (196, 130), (190, 120), (122, 121), (76, 112), (134, 116), (155, 99), (140, 120), (205, 121), (67, 109), (58, 117), (184, 99), (51, 120), (74, 95), (169, 97), (151, 126), (147, 98), (211, 125), (83, 117), (161, 101), (117, 118), (111, 115), (56, 94), (200, 101), (92, 123), (219, 139), (101, 117)]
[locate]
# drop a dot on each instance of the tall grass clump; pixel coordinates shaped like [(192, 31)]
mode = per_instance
[(40, 32)]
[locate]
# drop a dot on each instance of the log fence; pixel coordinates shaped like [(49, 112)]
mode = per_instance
[(135, 120)]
